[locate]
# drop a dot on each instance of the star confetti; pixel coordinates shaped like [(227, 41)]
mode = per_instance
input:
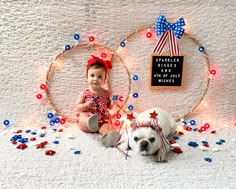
[(153, 115), (130, 117)]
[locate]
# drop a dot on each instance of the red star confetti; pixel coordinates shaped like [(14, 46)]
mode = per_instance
[(60, 130), (206, 145), (187, 128), (172, 141), (50, 152), (41, 145), (22, 146), (130, 117), (14, 142), (19, 131), (177, 150), (32, 139), (153, 115), (180, 133)]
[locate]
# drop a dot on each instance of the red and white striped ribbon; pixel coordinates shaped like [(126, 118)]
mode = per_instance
[(173, 45)]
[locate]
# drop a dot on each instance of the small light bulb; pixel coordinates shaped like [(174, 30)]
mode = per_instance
[(76, 36), (213, 72), (103, 55), (43, 86), (39, 96), (122, 44), (67, 47), (91, 38), (149, 34)]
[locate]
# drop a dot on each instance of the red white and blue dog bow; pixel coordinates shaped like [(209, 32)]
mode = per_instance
[(171, 30)]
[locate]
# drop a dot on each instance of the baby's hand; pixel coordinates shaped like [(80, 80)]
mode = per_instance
[(91, 104)]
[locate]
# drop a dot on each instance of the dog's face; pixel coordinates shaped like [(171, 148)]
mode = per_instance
[(144, 141)]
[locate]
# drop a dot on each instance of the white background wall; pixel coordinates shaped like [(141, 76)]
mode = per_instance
[(33, 32)]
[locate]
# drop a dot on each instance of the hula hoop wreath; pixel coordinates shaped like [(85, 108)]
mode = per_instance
[(58, 61), (149, 30)]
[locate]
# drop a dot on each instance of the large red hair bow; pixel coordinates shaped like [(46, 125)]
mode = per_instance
[(94, 59)]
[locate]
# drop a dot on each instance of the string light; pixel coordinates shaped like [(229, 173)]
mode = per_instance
[(50, 115), (192, 122), (43, 86), (6, 122), (149, 34), (118, 115), (91, 38), (39, 96), (135, 95), (213, 72), (117, 122), (201, 49), (130, 107), (135, 77), (103, 55), (76, 37), (122, 44), (67, 47)]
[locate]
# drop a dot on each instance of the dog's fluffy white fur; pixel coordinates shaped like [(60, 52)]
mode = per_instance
[(146, 140)]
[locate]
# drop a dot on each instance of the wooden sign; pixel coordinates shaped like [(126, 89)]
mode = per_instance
[(167, 72)]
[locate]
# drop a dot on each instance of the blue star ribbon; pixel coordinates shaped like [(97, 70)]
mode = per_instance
[(161, 26)]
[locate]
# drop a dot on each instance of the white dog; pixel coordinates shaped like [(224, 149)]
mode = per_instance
[(146, 135)]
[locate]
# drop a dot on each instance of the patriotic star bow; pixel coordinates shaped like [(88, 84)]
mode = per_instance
[(171, 31), (162, 26)]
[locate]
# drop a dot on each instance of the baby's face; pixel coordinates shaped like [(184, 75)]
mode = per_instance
[(96, 77)]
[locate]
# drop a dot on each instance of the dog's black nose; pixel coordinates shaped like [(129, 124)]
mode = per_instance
[(143, 145)]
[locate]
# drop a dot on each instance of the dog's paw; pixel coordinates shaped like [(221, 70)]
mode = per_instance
[(161, 156)]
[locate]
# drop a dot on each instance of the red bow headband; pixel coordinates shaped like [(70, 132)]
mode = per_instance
[(107, 63)]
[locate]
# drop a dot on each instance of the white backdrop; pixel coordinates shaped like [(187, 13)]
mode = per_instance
[(33, 32)]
